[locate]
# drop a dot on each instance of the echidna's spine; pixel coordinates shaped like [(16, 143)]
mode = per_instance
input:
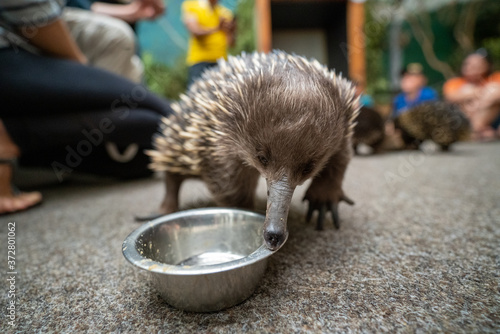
[(195, 128)]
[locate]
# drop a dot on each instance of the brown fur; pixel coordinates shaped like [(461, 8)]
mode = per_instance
[(369, 129), (276, 115), (439, 121)]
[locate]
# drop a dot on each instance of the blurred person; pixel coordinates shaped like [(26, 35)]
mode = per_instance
[(212, 29), (59, 113), (413, 90), (102, 31), (477, 92)]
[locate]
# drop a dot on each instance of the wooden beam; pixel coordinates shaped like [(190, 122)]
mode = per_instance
[(356, 41), (263, 23)]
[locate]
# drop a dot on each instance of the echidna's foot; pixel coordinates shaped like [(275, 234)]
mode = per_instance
[(378, 147), (413, 146), (323, 206), (167, 207), (148, 216), (170, 202), (445, 148)]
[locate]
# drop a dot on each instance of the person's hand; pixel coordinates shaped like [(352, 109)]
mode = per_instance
[(228, 26), (142, 10), (82, 59), (157, 5), (222, 22)]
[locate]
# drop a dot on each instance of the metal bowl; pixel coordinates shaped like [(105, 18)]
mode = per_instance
[(201, 260)]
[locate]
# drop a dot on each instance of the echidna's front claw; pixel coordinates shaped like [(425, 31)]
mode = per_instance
[(346, 199), (334, 209), (323, 207), (321, 217)]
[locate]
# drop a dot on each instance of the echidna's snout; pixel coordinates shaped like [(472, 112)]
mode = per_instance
[(278, 202)]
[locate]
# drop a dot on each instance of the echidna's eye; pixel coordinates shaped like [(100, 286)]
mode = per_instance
[(263, 160)]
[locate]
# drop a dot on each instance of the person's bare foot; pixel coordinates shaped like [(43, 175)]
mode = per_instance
[(9, 200), (23, 201)]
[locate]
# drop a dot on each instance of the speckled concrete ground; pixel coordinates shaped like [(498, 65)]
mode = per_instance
[(419, 252)]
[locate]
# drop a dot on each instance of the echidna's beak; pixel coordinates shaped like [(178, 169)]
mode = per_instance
[(278, 202)]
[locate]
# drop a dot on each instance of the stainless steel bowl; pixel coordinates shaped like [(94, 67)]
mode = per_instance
[(201, 260)]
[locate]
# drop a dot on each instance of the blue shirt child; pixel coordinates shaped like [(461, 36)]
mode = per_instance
[(402, 104)]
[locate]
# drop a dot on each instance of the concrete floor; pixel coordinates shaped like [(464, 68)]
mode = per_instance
[(418, 252)]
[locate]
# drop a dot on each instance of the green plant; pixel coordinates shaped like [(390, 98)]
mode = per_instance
[(168, 81), (377, 78), (492, 44), (245, 30)]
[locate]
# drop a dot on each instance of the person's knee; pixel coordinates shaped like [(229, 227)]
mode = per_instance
[(491, 94), (118, 50), (124, 33), (113, 33)]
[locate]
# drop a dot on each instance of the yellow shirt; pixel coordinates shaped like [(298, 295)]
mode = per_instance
[(211, 47)]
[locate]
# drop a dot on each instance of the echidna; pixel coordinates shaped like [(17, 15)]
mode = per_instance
[(281, 116), (440, 121), (369, 129)]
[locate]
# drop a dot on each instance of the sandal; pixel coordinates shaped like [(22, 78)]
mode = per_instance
[(11, 199)]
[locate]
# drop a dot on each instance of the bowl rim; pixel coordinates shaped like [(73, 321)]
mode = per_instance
[(132, 255)]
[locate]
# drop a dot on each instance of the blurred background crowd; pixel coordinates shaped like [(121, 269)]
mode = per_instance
[(85, 83)]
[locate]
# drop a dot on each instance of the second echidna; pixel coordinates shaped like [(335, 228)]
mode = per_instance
[(369, 130), (440, 121)]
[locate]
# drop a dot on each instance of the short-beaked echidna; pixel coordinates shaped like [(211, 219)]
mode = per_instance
[(369, 129), (440, 121), (281, 116)]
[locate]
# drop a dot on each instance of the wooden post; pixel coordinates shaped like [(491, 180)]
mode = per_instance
[(356, 41), (263, 22)]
